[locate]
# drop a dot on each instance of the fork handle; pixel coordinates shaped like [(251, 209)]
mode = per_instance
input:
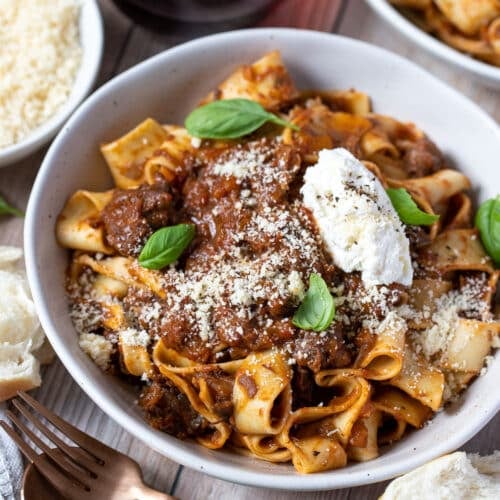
[(146, 493)]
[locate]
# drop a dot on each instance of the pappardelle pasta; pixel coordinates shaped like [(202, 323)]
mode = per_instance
[(263, 307), (470, 26)]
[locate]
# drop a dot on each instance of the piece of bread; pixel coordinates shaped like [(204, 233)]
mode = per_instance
[(19, 370), (487, 465), (21, 338), (449, 477)]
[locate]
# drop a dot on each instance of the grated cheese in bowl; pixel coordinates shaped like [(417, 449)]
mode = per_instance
[(40, 55)]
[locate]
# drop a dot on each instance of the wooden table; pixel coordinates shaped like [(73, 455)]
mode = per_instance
[(126, 45)]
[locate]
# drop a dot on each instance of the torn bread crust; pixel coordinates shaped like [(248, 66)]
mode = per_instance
[(22, 342)]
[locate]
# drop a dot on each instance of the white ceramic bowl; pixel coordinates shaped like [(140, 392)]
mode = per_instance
[(167, 87), (486, 73), (91, 39)]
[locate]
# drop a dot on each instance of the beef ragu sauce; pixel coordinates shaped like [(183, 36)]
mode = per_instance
[(237, 287), (132, 215)]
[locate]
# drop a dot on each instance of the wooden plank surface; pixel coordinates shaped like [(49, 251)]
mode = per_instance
[(127, 44)]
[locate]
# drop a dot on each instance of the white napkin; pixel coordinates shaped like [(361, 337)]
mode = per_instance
[(11, 464)]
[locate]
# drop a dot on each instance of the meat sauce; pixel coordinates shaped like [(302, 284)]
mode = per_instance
[(236, 288), (133, 214), (252, 232)]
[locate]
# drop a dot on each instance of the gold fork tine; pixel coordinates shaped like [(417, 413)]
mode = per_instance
[(65, 465), (88, 443), (78, 455), (45, 467), (28, 452)]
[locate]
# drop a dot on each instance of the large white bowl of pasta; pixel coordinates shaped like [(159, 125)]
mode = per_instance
[(300, 397)]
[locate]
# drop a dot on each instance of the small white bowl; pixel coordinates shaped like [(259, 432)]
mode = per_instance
[(91, 39), (167, 87), (485, 73)]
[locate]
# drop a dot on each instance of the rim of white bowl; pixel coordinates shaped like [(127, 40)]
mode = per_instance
[(433, 45), (140, 429), (90, 14)]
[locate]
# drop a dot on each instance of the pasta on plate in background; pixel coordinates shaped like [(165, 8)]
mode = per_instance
[(471, 26), (291, 275)]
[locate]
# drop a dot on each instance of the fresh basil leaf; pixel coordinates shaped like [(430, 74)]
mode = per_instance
[(166, 245), (279, 121), (317, 309), (408, 210), (488, 223), (6, 209), (229, 119)]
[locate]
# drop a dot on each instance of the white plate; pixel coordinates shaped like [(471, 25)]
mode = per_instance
[(91, 39), (486, 73), (167, 87)]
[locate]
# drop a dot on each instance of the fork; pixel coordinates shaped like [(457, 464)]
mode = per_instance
[(90, 470)]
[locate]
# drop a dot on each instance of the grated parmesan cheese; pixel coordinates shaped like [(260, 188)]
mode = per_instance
[(196, 142), (242, 165), (448, 309), (132, 337), (39, 58)]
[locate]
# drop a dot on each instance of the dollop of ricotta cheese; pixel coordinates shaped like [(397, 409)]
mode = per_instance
[(356, 219)]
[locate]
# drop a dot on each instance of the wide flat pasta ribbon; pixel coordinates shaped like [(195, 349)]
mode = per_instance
[(401, 406), (321, 128), (78, 225), (457, 250), (201, 402), (355, 392), (420, 380), (264, 447), (266, 81), (168, 161), (262, 394), (127, 155), (367, 449), (312, 440), (385, 359)]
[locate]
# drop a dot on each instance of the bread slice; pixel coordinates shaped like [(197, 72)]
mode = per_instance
[(19, 370), (22, 342), (487, 465), (10, 258), (449, 477)]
